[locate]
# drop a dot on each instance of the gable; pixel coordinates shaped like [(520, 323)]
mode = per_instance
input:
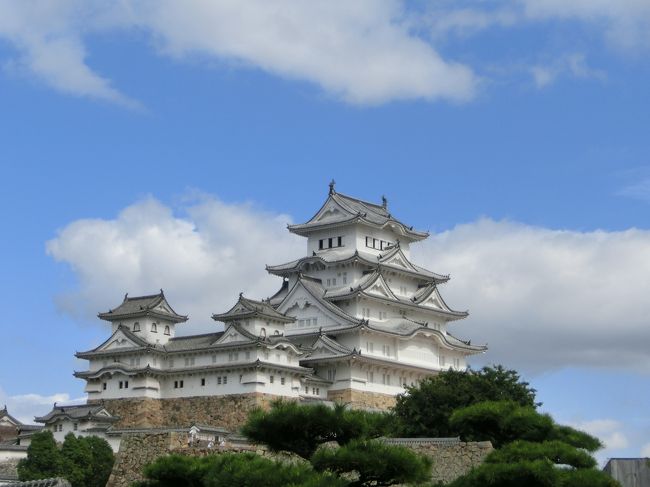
[(331, 211), (5, 421), (232, 335), (398, 259), (303, 305), (434, 301), (120, 341)]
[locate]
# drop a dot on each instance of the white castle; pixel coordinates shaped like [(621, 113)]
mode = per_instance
[(355, 320)]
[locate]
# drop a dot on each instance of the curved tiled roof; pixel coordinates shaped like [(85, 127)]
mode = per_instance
[(344, 256), (83, 411), (153, 305), (247, 308), (356, 210)]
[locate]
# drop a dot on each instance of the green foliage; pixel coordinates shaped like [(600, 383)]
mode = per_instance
[(43, 458), (554, 451), (500, 423), (536, 473), (574, 437), (302, 428), (425, 409), (374, 462), (83, 461), (77, 460), (504, 421), (233, 470), (102, 461)]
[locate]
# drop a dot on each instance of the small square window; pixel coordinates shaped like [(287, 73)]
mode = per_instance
[(282, 380), (75, 426), (202, 382), (340, 241), (271, 379), (104, 386), (126, 384), (219, 380), (225, 379)]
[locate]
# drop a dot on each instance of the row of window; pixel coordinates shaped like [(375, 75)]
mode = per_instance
[(307, 322), (314, 390), (382, 315), (330, 243), (377, 244), (342, 279), (59, 427), (272, 380), (154, 328), (370, 348)]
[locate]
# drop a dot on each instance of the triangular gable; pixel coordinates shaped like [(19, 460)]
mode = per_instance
[(233, 334), (397, 259), (331, 210), (378, 287), (120, 340), (325, 347), (433, 300), (302, 295)]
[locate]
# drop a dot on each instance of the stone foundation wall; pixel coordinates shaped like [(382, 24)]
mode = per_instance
[(138, 450), (362, 400), (451, 458), (229, 412)]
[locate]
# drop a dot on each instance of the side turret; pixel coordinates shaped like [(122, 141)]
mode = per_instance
[(150, 317)]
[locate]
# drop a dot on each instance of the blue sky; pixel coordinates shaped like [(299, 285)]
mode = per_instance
[(144, 145)]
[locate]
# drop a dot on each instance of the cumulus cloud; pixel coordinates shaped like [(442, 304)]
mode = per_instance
[(542, 299), (202, 258), (545, 299), (25, 407), (362, 52)]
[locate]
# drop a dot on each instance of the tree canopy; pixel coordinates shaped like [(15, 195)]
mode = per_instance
[(233, 470), (374, 463), (83, 461), (424, 410), (300, 429)]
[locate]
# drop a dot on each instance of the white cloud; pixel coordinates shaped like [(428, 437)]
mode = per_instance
[(645, 451), (607, 430), (546, 299), (202, 260), (47, 35), (25, 407), (626, 23), (573, 65), (362, 52)]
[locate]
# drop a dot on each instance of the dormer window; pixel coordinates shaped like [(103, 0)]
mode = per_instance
[(167, 330), (136, 326), (330, 243), (154, 328)]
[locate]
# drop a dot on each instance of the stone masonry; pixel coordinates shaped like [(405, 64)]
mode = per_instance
[(362, 400), (229, 412), (451, 457)]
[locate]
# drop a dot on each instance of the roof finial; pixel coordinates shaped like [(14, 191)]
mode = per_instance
[(162, 293), (384, 201), (332, 184), (241, 294), (126, 296)]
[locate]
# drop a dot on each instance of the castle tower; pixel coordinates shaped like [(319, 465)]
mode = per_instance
[(374, 320)]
